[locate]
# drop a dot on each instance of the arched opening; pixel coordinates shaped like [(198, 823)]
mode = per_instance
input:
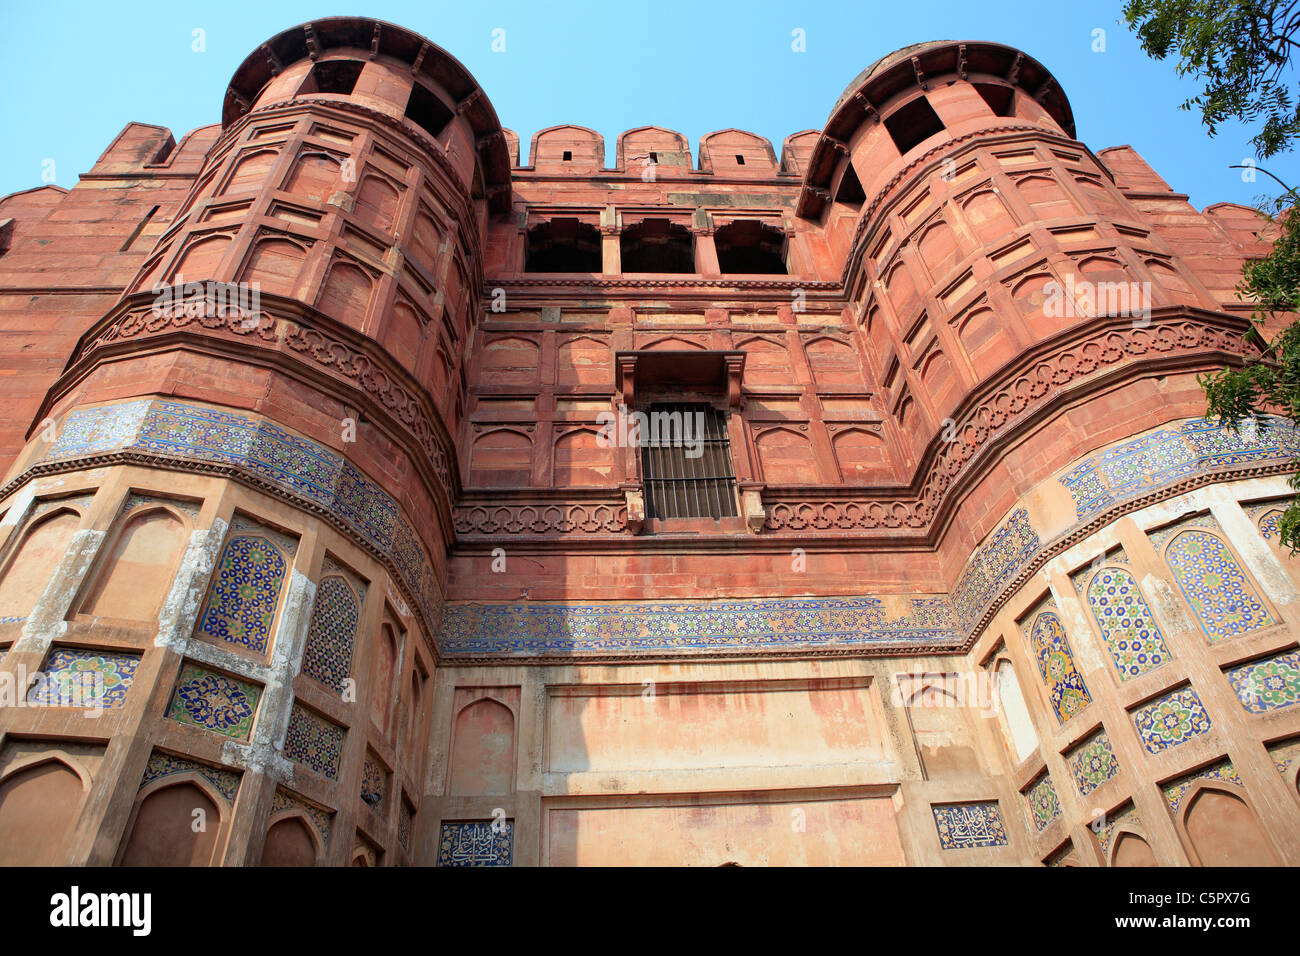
[(289, 843), (749, 246), (38, 809), (563, 245), (1223, 831), (657, 245), (176, 825)]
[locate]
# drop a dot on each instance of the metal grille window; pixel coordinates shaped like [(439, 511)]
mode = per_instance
[(686, 462)]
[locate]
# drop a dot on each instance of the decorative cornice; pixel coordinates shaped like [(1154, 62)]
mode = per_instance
[(314, 339)]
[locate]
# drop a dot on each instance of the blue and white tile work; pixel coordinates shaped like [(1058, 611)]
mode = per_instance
[(965, 826), (163, 764), (690, 626), (937, 621), (295, 464), (477, 843), (993, 566), (1171, 453)]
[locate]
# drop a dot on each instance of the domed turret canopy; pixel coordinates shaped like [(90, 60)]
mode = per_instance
[(915, 65), (426, 59)]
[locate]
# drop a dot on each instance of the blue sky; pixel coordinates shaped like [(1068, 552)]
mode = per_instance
[(78, 72)]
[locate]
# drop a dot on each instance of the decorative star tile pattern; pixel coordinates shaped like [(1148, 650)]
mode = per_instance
[(162, 764), (333, 629), (1266, 518), (1124, 818), (224, 705), (320, 818), (1207, 572), (477, 843), (245, 592), (93, 430), (1285, 754), (690, 625), (1092, 762), (314, 742), (83, 678), (1176, 790), (1044, 804), (374, 783), (1065, 687), (1171, 719), (1268, 684), (964, 826), (1127, 626), (296, 465), (1170, 454), (993, 565)]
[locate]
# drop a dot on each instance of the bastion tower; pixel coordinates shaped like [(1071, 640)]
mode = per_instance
[(322, 524)]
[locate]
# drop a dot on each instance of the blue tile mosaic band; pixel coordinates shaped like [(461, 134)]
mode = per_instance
[(297, 465), (1169, 454)]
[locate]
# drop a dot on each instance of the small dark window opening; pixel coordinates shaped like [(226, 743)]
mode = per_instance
[(912, 124), (6, 235), (563, 245), (850, 191), (657, 245), (654, 157), (749, 246), (568, 155), (740, 160), (1001, 99), (426, 111), (332, 76), (686, 462)]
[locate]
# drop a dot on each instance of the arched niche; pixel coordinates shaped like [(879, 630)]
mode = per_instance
[(39, 804), (383, 670), (33, 562), (582, 460), (291, 841), (1017, 725), (175, 823), (942, 732), (786, 457), (133, 578), (1223, 830), (1131, 850), (483, 751)]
